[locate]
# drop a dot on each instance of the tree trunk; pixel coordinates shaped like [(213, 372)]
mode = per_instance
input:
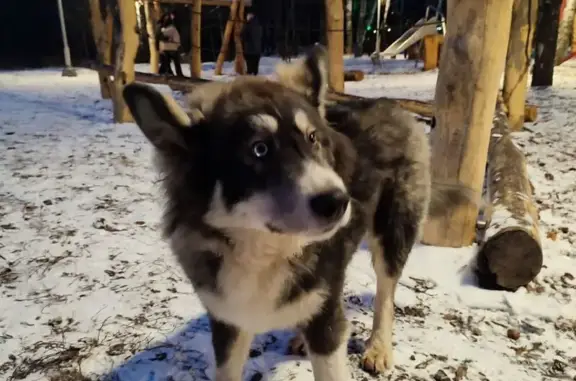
[(239, 63), (545, 42), (349, 27), (361, 29), (151, 31), (103, 41), (565, 29), (334, 14), (524, 15), (126, 53), (510, 255), (226, 39), (472, 64), (196, 40)]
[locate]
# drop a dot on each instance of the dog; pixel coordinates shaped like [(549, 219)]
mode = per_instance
[(269, 194)]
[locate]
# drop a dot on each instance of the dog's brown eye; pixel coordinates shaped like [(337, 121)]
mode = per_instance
[(312, 137), (260, 149)]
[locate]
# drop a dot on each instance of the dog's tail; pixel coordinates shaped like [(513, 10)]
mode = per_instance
[(447, 196)]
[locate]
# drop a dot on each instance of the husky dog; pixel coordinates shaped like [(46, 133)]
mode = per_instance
[(269, 194)]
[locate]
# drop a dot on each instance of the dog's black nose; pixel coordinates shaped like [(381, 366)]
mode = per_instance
[(329, 205)]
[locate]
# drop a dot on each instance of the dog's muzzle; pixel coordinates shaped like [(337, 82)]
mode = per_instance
[(329, 207)]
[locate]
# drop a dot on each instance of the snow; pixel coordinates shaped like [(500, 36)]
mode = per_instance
[(90, 290)]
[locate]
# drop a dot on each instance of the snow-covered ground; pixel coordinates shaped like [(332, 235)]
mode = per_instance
[(89, 290)]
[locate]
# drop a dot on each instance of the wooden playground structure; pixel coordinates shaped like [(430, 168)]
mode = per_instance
[(471, 144)]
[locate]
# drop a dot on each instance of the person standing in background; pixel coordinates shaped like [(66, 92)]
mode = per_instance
[(169, 47), (252, 43)]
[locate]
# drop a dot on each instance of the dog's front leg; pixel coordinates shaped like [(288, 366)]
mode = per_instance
[(231, 348), (327, 343)]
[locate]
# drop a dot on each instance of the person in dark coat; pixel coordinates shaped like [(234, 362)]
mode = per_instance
[(252, 43)]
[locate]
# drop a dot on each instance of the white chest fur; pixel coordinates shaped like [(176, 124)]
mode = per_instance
[(252, 280)]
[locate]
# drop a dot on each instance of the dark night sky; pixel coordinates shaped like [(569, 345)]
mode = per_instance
[(30, 31)]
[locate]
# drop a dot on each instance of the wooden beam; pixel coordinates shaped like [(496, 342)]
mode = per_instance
[(125, 55), (196, 40), (215, 3), (472, 63), (239, 62), (226, 39), (510, 255), (545, 42), (151, 31), (334, 14), (517, 69)]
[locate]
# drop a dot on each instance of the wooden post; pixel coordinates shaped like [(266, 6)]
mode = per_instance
[(524, 13), (151, 31), (226, 38), (101, 31), (239, 63), (196, 40), (545, 42), (573, 51), (472, 63), (510, 255), (563, 44), (431, 51), (349, 27), (126, 53), (335, 41)]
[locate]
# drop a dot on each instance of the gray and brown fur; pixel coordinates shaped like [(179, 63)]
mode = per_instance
[(269, 195)]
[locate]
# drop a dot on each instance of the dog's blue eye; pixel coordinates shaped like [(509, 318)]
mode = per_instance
[(312, 137), (260, 149)]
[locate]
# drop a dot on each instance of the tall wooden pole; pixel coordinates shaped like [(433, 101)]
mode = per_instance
[(151, 31), (227, 35), (335, 37), (349, 27), (196, 40), (471, 66), (524, 14), (239, 64), (125, 55)]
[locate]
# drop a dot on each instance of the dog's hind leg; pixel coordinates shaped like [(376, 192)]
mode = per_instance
[(231, 348), (395, 230)]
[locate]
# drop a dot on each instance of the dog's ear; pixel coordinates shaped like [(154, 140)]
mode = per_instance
[(159, 117), (308, 76)]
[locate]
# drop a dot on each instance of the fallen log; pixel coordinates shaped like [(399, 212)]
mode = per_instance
[(510, 255), (353, 76), (184, 84)]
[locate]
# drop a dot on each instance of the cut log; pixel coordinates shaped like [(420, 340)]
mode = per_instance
[(511, 254), (472, 64), (101, 31), (353, 76), (196, 40), (239, 62), (151, 31), (334, 14), (517, 68), (126, 53), (226, 39), (545, 42)]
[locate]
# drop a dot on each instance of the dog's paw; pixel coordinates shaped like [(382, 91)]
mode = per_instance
[(378, 358), (296, 346)]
